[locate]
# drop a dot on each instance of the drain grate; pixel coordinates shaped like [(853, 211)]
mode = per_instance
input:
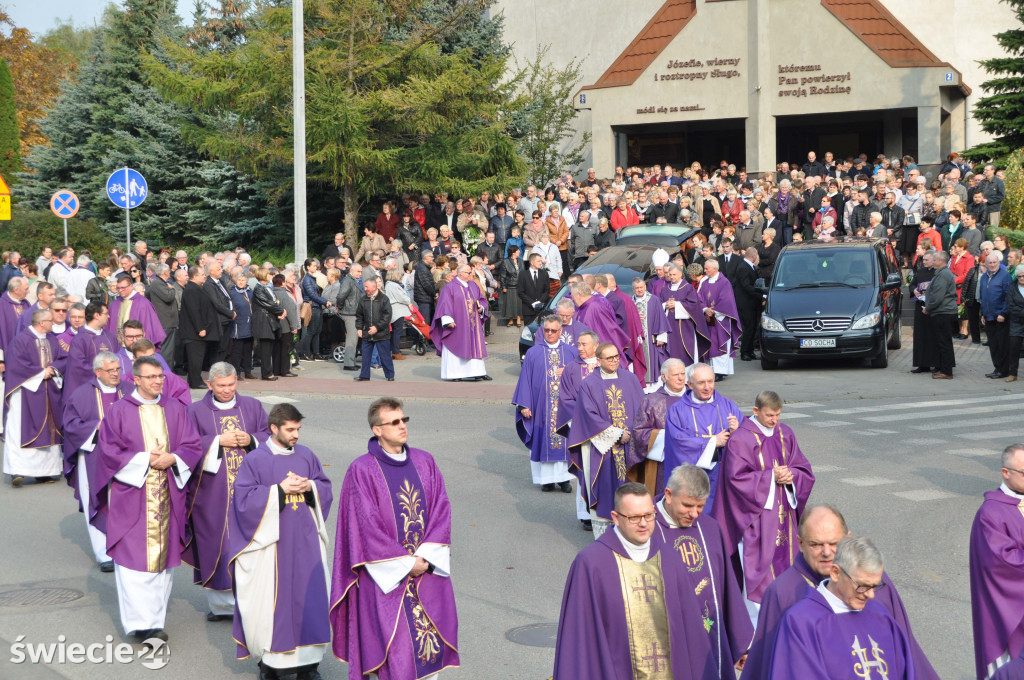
[(39, 597), (536, 635)]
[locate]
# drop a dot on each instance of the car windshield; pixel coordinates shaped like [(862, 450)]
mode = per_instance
[(833, 267)]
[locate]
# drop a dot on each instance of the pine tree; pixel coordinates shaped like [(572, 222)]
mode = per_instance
[(1002, 112), (10, 154)]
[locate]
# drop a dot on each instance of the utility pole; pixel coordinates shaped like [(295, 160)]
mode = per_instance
[(299, 125)]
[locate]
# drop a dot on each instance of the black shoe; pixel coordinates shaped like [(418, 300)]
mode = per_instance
[(985, 344), (211, 617), (548, 487), (360, 379), (486, 377), (311, 674), (107, 567), (935, 370), (566, 487), (587, 524), (921, 369), (390, 379), (267, 673), (746, 357), (997, 375), (993, 374), (975, 342), (45, 480), (719, 377), (350, 368), (271, 377)]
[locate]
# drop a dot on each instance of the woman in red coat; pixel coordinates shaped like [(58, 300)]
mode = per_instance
[(961, 263), (928, 233), (387, 222), (826, 210), (623, 216), (732, 207)]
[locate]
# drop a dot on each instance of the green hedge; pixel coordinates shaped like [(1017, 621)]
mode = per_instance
[(29, 231), (1013, 237)]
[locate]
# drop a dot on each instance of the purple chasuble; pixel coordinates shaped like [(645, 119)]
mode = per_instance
[(687, 338), (637, 331), (747, 480), (569, 390), (25, 320), (598, 315), (41, 410), (145, 526), (10, 313), (815, 642), (654, 322), (84, 348), (718, 295), (300, 588), (655, 285), (789, 588), (389, 508), (537, 390), (571, 333), (64, 340), (709, 571), (689, 425), (603, 404), (83, 412), (649, 422), (141, 310), (619, 617), (465, 304), (210, 493), (997, 579), (175, 387), (619, 307)]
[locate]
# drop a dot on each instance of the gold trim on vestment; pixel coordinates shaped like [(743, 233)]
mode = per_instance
[(157, 489), (643, 597)]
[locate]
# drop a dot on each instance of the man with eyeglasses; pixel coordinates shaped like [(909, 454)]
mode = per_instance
[(393, 545), (83, 412), (32, 426), (536, 401), (90, 341), (600, 440), (75, 320), (621, 611), (175, 386), (45, 294), (997, 571), (838, 631), (147, 451), (129, 304), (764, 484), (822, 527), (59, 307)]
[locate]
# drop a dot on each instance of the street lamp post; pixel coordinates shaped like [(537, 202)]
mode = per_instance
[(299, 125)]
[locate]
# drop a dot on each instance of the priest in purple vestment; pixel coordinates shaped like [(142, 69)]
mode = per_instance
[(621, 608), (536, 403), (821, 529), (571, 328), (688, 329), (635, 327), (597, 314), (715, 293), (76, 319), (600, 441), (697, 542), (657, 282), (762, 491), (277, 543), (12, 306), (90, 341), (698, 426), (83, 411), (131, 304), (997, 569), (649, 429), (230, 425), (837, 631), (392, 603), (655, 324), (147, 451), (458, 329), (568, 390), (175, 386), (45, 293), (32, 404)]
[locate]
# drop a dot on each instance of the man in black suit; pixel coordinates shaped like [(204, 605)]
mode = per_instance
[(810, 201), (729, 260), (534, 289), (748, 302), (771, 222), (198, 326), (222, 305), (663, 209)]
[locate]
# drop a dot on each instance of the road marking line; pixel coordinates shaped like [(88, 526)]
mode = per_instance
[(867, 481), (1012, 435), (829, 423), (974, 452), (827, 468), (922, 404), (920, 495), (953, 422), (959, 412), (873, 433), (271, 399), (926, 442)]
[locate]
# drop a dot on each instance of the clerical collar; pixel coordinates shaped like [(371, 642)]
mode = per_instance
[(637, 553), (464, 283), (768, 431), (609, 376), (554, 346), (139, 398), (607, 292), (134, 293), (675, 286), (224, 405), (710, 400), (94, 331), (835, 604), (38, 335), (665, 514), (59, 328), (681, 393), (278, 450), (714, 279), (1010, 492), (106, 390), (591, 361)]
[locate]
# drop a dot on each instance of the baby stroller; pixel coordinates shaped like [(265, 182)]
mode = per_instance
[(415, 335)]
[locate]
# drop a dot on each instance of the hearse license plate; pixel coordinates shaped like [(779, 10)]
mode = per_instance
[(817, 342)]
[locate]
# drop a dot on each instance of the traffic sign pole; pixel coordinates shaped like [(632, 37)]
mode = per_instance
[(65, 232), (127, 214)]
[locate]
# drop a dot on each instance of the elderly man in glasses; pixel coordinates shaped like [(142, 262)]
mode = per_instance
[(393, 545), (837, 630), (620, 612), (131, 304)]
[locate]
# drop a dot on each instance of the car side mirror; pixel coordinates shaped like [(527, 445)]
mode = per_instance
[(892, 282), (760, 286)]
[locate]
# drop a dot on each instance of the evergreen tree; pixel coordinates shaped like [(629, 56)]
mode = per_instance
[(10, 154), (1002, 112)]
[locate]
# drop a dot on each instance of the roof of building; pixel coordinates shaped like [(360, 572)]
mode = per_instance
[(867, 19)]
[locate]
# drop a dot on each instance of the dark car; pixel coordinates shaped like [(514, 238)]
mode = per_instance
[(840, 299), (664, 235), (625, 263)]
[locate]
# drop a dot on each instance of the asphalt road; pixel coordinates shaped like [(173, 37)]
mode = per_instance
[(906, 458)]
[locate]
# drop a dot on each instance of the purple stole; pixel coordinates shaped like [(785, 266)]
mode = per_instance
[(410, 510)]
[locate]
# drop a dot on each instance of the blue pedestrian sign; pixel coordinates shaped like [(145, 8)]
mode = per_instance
[(127, 188)]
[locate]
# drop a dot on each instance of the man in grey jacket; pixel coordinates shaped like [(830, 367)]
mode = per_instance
[(940, 306), (348, 300), (581, 237), (165, 302)]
